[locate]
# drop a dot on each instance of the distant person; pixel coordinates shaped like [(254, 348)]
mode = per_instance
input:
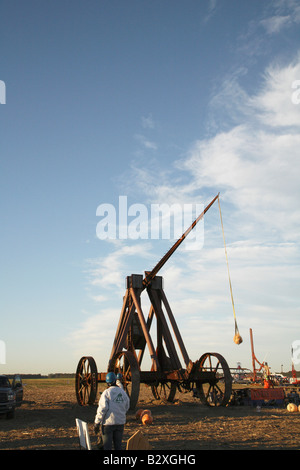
[(119, 380), (111, 413)]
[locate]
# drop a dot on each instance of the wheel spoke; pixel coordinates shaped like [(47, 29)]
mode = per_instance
[(164, 391)]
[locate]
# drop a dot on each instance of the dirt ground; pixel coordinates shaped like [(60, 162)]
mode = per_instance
[(46, 420)]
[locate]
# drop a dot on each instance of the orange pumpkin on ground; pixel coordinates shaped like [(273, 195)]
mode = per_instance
[(145, 412), (292, 407), (139, 413), (147, 419)]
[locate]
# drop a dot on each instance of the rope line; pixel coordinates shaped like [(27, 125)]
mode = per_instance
[(237, 337)]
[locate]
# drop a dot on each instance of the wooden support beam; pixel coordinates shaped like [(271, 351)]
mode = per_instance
[(149, 342), (175, 328), (148, 323), (120, 325), (175, 362)]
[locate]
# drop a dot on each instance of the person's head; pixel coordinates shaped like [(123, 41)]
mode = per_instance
[(110, 378)]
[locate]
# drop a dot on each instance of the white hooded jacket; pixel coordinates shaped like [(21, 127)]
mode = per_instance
[(112, 407)]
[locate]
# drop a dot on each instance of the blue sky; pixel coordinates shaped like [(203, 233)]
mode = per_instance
[(160, 101)]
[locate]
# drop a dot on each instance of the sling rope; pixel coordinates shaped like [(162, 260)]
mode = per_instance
[(237, 337)]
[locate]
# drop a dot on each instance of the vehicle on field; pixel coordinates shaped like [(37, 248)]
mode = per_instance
[(11, 395)]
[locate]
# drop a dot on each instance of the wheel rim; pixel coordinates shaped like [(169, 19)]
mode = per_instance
[(86, 381), (164, 391), (125, 363), (217, 391)]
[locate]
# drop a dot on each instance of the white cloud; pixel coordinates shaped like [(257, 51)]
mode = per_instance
[(274, 102), (281, 14), (212, 5), (148, 122), (146, 143), (94, 337), (257, 171), (109, 271), (276, 23), (99, 298)]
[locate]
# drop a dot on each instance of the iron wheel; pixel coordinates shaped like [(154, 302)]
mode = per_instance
[(217, 391), (86, 381)]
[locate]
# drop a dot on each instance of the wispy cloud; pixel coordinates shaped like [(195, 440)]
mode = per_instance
[(276, 23), (146, 143), (212, 5), (285, 13), (108, 272), (148, 122), (274, 102)]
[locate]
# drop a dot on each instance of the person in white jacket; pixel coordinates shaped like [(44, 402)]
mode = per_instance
[(111, 413)]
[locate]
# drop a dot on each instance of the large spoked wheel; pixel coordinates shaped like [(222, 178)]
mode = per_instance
[(125, 363), (86, 381), (164, 391), (217, 391)]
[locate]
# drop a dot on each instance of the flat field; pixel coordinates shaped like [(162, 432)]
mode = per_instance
[(46, 421)]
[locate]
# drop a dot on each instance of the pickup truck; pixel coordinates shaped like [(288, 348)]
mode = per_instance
[(11, 395)]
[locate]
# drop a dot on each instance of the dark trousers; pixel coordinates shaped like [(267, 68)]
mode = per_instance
[(112, 435)]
